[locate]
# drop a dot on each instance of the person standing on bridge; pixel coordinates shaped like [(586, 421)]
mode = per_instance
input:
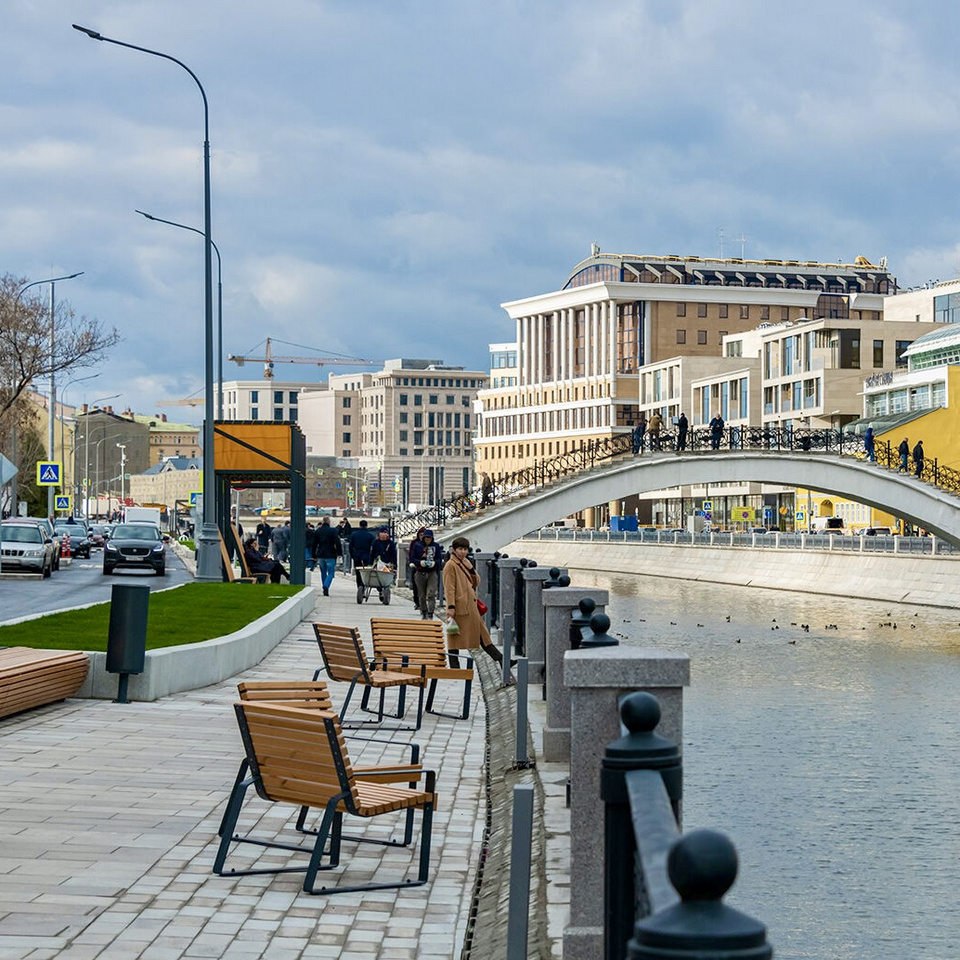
[(486, 490), (918, 459), (683, 425), (653, 430), (869, 445), (638, 431), (716, 431), (904, 451)]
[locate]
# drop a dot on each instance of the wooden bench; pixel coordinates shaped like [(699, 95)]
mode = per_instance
[(298, 755), (228, 567), (32, 678), (344, 660), (247, 573), (419, 647)]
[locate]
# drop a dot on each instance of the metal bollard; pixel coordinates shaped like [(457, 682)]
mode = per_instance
[(522, 760), (521, 842), (597, 635), (506, 637), (639, 749), (702, 867), (580, 620), (127, 636)]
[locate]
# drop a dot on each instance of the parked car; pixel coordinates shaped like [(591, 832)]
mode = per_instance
[(79, 542), (24, 545), (99, 534), (48, 528), (876, 532), (136, 545)]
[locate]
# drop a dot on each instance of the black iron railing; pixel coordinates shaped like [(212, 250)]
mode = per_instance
[(596, 453)]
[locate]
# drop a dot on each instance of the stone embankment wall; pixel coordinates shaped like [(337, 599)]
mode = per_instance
[(928, 581)]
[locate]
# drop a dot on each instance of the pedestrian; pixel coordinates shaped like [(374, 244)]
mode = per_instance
[(280, 541), (426, 560), (263, 535), (904, 451), (683, 425), (258, 563), (716, 431), (653, 430), (413, 579), (918, 459), (327, 546), (460, 580), (869, 445), (361, 545), (383, 554), (309, 541), (486, 491), (638, 431)]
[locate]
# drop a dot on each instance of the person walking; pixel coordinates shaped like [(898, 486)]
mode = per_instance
[(904, 451), (258, 563), (653, 430), (683, 425), (716, 431), (460, 580), (413, 569), (326, 548), (486, 491), (918, 459), (426, 558), (383, 554), (361, 545), (309, 542), (869, 445), (263, 535), (637, 437), (280, 541)]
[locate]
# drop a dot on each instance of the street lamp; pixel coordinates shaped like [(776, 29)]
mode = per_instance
[(208, 549), (86, 454), (216, 250), (123, 468), (53, 384), (63, 446)]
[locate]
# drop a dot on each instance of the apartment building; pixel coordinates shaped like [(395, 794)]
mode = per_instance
[(263, 399), (580, 349)]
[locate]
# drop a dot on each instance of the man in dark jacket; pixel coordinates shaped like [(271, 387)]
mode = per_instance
[(904, 451), (918, 459), (326, 548), (683, 425), (425, 558), (361, 545)]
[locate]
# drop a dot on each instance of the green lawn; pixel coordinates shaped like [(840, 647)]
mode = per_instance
[(189, 614)]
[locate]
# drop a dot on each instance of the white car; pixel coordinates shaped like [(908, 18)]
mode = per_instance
[(24, 545)]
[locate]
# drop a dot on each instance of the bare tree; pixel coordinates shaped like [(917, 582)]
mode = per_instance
[(25, 340)]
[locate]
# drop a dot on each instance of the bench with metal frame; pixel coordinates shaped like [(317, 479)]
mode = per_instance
[(419, 647), (298, 755), (33, 678), (344, 660)]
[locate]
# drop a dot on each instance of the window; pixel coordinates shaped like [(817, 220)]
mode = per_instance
[(723, 311), (681, 309), (434, 399), (346, 438), (784, 313), (403, 399), (744, 311), (721, 334), (450, 399), (346, 419), (403, 417), (346, 401), (466, 420), (464, 401), (878, 353), (254, 413), (681, 336), (701, 309), (404, 452), (254, 396), (278, 413), (278, 396), (418, 400), (293, 397), (765, 313), (418, 438), (418, 419), (701, 336), (403, 436)]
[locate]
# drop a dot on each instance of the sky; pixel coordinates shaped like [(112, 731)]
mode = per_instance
[(386, 173)]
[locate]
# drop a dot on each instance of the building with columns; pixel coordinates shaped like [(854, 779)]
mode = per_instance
[(580, 349)]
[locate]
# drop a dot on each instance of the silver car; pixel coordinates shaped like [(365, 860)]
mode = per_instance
[(24, 545)]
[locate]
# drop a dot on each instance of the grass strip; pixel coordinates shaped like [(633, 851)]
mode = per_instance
[(189, 614)]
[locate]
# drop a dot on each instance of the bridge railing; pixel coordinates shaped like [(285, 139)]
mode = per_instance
[(593, 453)]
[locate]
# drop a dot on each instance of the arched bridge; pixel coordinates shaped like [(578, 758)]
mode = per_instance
[(826, 461)]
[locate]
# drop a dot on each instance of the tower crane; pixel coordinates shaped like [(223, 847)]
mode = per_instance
[(268, 360)]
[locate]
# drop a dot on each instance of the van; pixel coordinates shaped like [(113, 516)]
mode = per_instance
[(828, 525)]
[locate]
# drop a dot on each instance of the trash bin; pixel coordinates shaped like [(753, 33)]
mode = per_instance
[(127, 636)]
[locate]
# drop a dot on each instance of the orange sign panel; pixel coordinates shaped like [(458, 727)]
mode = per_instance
[(252, 446)]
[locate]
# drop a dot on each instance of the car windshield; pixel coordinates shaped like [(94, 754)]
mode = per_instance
[(135, 531), (18, 534)]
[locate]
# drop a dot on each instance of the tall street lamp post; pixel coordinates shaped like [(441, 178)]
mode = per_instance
[(63, 417), (53, 281), (86, 454), (123, 469), (216, 250), (208, 548)]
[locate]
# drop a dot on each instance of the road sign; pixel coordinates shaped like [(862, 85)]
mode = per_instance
[(707, 506), (48, 473), (195, 496), (61, 502), (7, 470), (801, 517)]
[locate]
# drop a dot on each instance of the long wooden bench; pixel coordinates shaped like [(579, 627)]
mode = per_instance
[(419, 647), (32, 678), (248, 574), (299, 756)]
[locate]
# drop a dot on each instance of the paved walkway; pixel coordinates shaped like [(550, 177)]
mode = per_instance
[(108, 820)]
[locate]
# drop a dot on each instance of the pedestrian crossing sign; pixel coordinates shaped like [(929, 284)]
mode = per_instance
[(48, 473), (195, 497), (707, 506), (61, 503)]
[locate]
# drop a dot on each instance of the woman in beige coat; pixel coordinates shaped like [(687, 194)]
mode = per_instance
[(460, 580)]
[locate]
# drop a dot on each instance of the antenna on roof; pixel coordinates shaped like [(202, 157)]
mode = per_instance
[(594, 249)]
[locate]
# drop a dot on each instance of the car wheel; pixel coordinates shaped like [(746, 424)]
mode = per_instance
[(47, 569)]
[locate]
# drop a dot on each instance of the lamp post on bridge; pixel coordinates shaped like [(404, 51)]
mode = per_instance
[(208, 548)]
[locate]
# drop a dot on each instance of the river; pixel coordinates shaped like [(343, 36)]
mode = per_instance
[(829, 755)]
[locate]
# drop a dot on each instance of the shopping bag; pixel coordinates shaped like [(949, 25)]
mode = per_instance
[(481, 606)]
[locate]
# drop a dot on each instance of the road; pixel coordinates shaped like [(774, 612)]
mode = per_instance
[(76, 584)]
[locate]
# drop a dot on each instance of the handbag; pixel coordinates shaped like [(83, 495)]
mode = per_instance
[(481, 607)]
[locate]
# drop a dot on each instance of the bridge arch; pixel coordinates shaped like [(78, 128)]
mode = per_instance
[(926, 506)]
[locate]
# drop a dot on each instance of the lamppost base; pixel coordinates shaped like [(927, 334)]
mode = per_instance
[(208, 554)]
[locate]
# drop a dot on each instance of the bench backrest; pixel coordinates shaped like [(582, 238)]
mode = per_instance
[(312, 694), (342, 652), (296, 754), (225, 556), (420, 641), (240, 553)]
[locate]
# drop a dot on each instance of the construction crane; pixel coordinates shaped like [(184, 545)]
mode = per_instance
[(268, 360)]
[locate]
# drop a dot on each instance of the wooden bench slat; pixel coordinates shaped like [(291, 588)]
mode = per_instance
[(32, 678)]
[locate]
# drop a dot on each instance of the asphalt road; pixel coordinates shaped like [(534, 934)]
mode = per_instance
[(76, 584)]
